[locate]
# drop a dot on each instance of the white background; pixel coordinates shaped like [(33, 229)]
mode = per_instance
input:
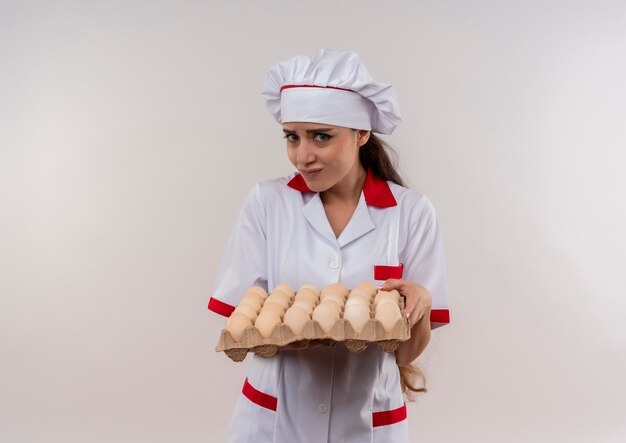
[(131, 132)]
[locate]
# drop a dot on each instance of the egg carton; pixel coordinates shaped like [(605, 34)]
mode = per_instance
[(341, 332)]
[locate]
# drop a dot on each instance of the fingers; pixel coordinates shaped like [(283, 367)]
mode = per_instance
[(417, 299), (401, 287), (393, 283)]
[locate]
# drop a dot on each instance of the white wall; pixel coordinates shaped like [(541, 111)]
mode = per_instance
[(130, 133)]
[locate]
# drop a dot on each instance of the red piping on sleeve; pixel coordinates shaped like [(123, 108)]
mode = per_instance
[(221, 308), (440, 316), (385, 418)]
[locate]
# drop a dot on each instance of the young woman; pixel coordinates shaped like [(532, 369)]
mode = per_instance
[(345, 216)]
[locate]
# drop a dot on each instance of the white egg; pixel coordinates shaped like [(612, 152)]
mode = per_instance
[(388, 314), (259, 290), (295, 318), (335, 288), (326, 315), (284, 287), (236, 325), (357, 316), (246, 310), (367, 287), (266, 322)]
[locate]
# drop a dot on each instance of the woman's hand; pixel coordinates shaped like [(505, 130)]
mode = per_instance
[(417, 306), (417, 299)]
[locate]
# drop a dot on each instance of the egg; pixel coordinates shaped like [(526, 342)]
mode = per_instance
[(360, 293), (304, 304), (357, 302), (357, 316), (311, 287), (286, 288), (273, 307), (392, 295), (266, 322), (367, 287), (336, 298), (335, 288), (326, 315), (307, 294), (295, 318), (259, 290), (388, 314), (246, 310), (236, 325), (279, 298), (253, 300), (384, 301), (334, 304)]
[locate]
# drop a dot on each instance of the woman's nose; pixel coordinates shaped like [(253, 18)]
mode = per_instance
[(305, 154)]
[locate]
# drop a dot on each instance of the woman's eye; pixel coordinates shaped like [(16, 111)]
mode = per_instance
[(322, 137), (291, 137)]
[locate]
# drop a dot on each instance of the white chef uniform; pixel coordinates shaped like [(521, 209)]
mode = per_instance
[(282, 235)]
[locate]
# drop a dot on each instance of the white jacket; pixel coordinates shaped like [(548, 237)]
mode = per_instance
[(282, 235)]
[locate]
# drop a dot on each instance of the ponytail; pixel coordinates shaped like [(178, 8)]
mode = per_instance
[(382, 160), (409, 376), (378, 156)]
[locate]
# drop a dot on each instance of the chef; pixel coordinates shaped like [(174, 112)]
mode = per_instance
[(345, 216)]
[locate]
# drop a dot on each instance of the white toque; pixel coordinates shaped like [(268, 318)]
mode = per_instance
[(330, 87)]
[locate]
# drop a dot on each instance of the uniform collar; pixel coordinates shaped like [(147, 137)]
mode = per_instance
[(376, 190)]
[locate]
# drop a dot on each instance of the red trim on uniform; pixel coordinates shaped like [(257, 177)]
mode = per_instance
[(375, 189), (385, 272), (260, 398), (298, 184), (385, 418), (440, 316), (221, 308), (377, 192), (314, 86)]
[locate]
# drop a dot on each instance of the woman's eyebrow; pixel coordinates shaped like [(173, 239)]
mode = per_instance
[(309, 131)]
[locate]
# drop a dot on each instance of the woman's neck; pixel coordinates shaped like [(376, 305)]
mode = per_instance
[(348, 189)]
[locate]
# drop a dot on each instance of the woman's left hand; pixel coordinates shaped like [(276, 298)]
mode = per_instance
[(418, 301), (417, 306)]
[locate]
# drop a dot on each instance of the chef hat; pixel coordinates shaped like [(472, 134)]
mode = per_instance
[(331, 87)]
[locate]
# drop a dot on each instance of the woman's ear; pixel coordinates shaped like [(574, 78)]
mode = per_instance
[(362, 137)]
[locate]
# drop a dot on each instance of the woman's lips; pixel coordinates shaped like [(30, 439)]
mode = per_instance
[(310, 173)]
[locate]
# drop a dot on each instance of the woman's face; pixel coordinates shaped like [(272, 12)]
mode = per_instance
[(323, 154)]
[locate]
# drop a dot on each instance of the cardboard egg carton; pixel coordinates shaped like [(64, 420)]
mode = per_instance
[(341, 332)]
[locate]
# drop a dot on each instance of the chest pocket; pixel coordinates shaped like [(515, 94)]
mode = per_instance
[(392, 268), (383, 272)]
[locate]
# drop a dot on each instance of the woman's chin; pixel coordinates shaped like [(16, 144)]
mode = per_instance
[(316, 186)]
